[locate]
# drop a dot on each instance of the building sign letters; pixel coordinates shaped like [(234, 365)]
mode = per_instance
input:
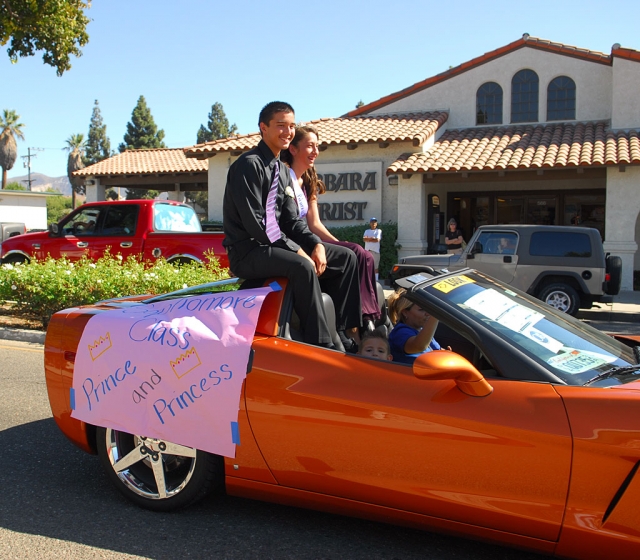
[(360, 180)]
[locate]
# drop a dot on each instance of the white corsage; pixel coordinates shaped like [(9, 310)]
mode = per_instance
[(289, 192)]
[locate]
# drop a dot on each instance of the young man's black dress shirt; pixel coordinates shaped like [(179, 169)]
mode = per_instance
[(245, 199), (253, 255)]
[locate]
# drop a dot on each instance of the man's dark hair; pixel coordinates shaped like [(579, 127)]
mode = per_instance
[(270, 109)]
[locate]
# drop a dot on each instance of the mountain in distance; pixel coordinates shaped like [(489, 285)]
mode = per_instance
[(41, 183)]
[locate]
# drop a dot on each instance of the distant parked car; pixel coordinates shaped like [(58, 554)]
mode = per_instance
[(564, 266), (149, 228)]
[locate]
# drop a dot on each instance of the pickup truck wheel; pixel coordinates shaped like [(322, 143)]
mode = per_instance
[(15, 259), (156, 474), (561, 296)]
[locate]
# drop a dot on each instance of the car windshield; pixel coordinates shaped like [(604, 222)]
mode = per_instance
[(571, 350)]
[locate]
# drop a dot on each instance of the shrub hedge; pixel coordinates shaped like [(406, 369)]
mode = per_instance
[(41, 288)]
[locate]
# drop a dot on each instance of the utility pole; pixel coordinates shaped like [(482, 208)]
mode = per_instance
[(27, 164)]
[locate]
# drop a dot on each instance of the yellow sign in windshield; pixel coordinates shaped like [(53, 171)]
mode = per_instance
[(445, 286)]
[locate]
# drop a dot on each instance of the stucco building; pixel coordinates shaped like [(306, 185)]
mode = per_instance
[(533, 132)]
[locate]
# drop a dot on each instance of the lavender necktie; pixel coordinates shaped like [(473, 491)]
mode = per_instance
[(272, 227)]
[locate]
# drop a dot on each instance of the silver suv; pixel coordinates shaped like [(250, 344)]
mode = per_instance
[(564, 266)]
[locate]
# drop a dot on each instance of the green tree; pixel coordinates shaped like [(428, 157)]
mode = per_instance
[(75, 146), (98, 143), (142, 132), (14, 186), (58, 207), (11, 129), (58, 28), (217, 127), (359, 104), (141, 194), (111, 194)]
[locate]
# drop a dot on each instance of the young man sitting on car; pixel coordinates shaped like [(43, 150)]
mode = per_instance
[(265, 237)]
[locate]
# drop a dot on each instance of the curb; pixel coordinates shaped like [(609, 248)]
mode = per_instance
[(22, 335)]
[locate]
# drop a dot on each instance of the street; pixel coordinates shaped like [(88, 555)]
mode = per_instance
[(57, 503)]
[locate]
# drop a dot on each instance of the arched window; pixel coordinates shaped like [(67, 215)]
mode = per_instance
[(489, 104), (561, 99), (524, 97)]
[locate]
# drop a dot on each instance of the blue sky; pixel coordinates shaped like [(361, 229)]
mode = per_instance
[(322, 57)]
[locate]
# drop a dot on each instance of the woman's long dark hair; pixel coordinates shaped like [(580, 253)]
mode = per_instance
[(311, 183)]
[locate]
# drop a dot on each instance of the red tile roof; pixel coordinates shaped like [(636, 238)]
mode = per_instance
[(622, 52), (557, 145), (525, 41), (144, 162), (409, 127)]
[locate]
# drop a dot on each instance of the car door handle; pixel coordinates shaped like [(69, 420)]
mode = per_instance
[(82, 244), (507, 259), (126, 244)]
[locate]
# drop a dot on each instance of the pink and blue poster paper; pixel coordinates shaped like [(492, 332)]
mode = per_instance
[(170, 370)]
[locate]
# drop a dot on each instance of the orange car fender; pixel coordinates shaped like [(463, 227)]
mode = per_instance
[(602, 512)]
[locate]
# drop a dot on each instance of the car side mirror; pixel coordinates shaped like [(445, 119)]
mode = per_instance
[(54, 229), (442, 364)]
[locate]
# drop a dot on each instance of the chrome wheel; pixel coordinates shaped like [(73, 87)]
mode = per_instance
[(150, 467), (157, 474)]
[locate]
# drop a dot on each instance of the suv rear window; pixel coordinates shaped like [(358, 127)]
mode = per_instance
[(560, 244)]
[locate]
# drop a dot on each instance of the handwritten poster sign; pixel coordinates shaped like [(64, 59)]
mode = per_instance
[(171, 370)]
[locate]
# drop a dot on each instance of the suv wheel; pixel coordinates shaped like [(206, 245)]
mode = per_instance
[(561, 296), (614, 269)]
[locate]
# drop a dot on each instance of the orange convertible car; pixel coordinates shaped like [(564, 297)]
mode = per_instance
[(527, 434)]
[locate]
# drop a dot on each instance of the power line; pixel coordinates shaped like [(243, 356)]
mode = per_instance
[(27, 164)]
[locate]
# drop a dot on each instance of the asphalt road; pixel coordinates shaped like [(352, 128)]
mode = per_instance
[(56, 503)]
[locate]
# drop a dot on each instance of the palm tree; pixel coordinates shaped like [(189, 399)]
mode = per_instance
[(11, 129), (76, 145)]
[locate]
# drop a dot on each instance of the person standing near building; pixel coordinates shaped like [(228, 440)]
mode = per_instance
[(453, 238), (264, 237), (372, 238)]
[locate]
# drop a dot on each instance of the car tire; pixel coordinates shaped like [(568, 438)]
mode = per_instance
[(561, 296), (156, 474), (614, 269)]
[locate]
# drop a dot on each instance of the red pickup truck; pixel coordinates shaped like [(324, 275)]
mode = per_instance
[(151, 228)]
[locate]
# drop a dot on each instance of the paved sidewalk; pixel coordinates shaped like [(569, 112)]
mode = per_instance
[(625, 308)]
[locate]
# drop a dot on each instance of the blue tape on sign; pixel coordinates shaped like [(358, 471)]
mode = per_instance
[(235, 433), (275, 286), (72, 397)]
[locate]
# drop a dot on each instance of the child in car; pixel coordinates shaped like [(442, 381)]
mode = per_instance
[(374, 344)]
